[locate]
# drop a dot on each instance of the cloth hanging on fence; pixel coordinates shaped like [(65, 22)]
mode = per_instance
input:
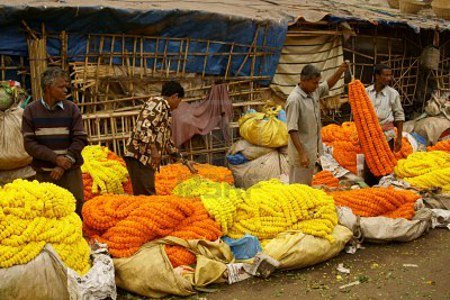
[(203, 116), (325, 52)]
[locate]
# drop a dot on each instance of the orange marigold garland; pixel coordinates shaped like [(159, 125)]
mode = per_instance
[(406, 150), (373, 202), (440, 146), (345, 143), (125, 223), (379, 157), (171, 175), (325, 178)]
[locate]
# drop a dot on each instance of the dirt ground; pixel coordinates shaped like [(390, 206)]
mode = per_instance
[(380, 268)]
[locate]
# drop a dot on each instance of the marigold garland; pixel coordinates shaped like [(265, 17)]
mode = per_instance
[(405, 151), (325, 178), (33, 214), (171, 175), (125, 223), (271, 207), (440, 146), (426, 170), (219, 199), (373, 202), (103, 172), (345, 143), (379, 157)]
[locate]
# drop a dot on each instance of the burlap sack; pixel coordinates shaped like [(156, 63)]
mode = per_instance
[(149, 272), (295, 250), (12, 154)]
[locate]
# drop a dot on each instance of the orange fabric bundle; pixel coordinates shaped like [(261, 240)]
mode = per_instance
[(171, 175), (440, 146), (373, 202), (125, 223), (325, 178), (379, 157)]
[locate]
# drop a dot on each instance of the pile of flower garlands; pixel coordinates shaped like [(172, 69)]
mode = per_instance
[(345, 143), (346, 146), (373, 202), (33, 214), (378, 155), (426, 170), (271, 207), (325, 178), (103, 172), (219, 198), (125, 223), (171, 175), (440, 146)]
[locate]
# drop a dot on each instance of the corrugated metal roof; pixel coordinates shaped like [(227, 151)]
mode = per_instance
[(374, 11)]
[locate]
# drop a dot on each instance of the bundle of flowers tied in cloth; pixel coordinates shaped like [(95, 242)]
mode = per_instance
[(171, 175), (125, 223), (104, 172), (34, 214)]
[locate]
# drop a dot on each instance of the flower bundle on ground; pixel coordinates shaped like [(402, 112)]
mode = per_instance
[(374, 202), (426, 170), (440, 146), (219, 198), (125, 223), (271, 207), (325, 178), (33, 214), (171, 175), (378, 155), (103, 172)]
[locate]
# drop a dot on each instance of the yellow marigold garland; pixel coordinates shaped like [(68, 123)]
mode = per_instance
[(271, 207), (219, 199), (426, 169), (108, 175), (33, 214)]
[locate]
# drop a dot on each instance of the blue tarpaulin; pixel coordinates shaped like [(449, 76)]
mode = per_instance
[(78, 22)]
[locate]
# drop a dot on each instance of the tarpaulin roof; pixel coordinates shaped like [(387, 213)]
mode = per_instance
[(229, 21)]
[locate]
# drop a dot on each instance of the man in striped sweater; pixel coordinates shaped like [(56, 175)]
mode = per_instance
[(54, 135)]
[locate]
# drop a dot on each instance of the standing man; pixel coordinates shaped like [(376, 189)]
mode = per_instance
[(151, 138), (304, 122), (389, 110), (54, 135)]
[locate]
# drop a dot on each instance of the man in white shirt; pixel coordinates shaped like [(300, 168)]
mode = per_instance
[(389, 110)]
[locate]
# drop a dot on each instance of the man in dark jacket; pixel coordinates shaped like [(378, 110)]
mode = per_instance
[(54, 135)]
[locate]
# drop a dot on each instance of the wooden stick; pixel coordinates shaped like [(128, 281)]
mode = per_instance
[(205, 62)]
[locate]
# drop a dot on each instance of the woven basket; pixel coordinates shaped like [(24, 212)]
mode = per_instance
[(441, 8), (411, 6), (394, 4)]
